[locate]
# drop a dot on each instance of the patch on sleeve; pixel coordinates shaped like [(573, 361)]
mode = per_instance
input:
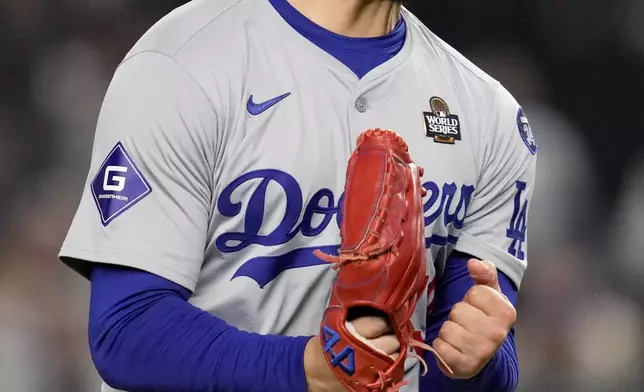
[(118, 185), (526, 131)]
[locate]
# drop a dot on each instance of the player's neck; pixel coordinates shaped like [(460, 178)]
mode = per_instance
[(352, 18)]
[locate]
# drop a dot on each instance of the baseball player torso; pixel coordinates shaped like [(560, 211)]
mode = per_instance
[(292, 115), (289, 116), (221, 149)]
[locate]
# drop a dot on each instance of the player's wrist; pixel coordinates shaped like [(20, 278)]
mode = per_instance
[(319, 378), (312, 366)]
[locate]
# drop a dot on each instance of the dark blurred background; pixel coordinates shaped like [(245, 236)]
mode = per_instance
[(577, 67)]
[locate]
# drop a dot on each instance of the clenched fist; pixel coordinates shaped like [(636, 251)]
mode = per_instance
[(477, 326)]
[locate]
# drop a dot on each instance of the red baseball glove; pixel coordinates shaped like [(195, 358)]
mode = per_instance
[(382, 262)]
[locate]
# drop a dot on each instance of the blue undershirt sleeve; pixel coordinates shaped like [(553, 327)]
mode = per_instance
[(145, 336), (501, 374)]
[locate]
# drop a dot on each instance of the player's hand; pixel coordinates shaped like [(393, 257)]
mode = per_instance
[(375, 330), (477, 326)]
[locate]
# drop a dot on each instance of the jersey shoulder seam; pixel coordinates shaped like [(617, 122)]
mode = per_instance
[(176, 62), (491, 81), (183, 70), (438, 43), (175, 52), (222, 12), (493, 109)]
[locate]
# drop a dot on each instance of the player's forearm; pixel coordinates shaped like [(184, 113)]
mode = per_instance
[(148, 337), (500, 375)]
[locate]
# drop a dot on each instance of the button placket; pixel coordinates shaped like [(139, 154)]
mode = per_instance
[(361, 104)]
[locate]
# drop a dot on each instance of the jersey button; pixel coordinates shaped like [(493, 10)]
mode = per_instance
[(361, 104)]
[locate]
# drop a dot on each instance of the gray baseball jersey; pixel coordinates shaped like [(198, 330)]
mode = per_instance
[(220, 155)]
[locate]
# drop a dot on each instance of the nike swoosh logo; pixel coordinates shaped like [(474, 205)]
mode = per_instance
[(259, 108)]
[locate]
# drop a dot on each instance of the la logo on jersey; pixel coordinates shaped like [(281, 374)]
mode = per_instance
[(440, 124), (118, 185)]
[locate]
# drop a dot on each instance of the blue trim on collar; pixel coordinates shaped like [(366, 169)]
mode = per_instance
[(361, 55)]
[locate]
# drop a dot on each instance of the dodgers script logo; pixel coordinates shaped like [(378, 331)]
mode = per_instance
[(323, 208)]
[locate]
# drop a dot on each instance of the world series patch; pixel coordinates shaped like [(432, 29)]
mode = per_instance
[(440, 123)]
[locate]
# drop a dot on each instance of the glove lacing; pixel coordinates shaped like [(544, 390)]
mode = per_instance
[(415, 344)]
